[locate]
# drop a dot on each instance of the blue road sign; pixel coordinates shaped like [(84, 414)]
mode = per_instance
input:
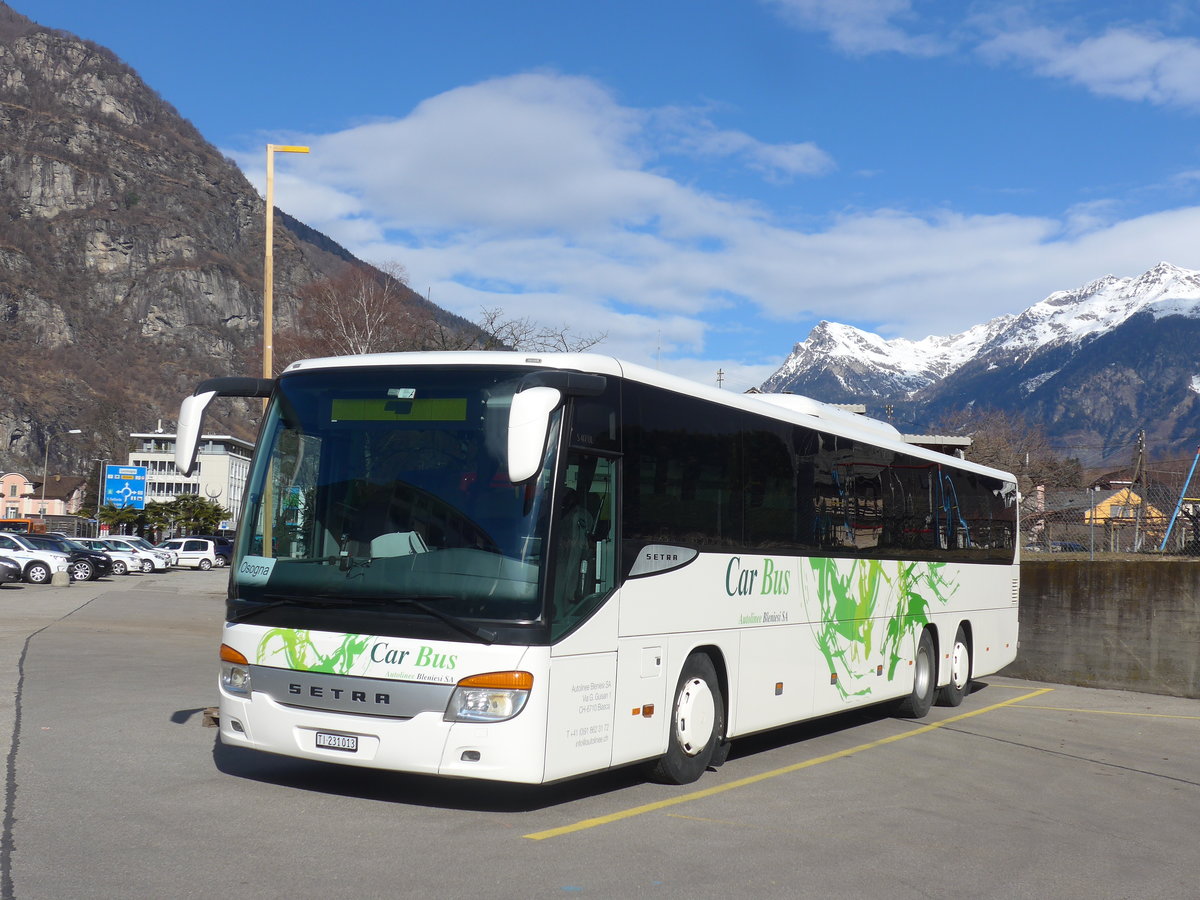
[(125, 486)]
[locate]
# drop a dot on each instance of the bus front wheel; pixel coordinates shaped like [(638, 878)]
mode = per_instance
[(916, 705), (697, 724)]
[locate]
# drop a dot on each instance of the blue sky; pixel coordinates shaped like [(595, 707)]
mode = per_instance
[(704, 181)]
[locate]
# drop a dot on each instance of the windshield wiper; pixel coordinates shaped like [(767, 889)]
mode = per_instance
[(483, 635), (273, 601), (334, 601)]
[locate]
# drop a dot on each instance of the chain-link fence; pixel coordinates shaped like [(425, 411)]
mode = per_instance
[(1106, 522)]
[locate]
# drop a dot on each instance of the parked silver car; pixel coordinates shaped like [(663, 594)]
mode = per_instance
[(124, 561), (149, 559)]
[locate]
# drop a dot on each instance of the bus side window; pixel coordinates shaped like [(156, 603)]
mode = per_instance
[(584, 540)]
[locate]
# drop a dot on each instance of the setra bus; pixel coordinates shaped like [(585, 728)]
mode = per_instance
[(530, 567)]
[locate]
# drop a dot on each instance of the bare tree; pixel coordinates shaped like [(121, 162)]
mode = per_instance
[(493, 331), (362, 310), (525, 334), (1009, 442), (372, 310)]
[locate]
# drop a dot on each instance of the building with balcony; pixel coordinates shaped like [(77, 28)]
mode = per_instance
[(222, 466)]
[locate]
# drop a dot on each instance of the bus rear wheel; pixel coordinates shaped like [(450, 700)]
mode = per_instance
[(960, 672), (916, 705), (697, 724)]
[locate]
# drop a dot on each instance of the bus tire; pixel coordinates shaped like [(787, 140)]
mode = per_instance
[(697, 724), (916, 705), (953, 693)]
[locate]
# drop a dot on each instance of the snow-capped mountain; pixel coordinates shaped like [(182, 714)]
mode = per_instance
[(842, 359), (1091, 365)]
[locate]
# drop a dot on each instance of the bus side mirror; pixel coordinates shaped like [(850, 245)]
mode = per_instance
[(528, 425), (187, 433), (191, 412)]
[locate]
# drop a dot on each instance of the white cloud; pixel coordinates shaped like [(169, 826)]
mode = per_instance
[(1122, 62), (1132, 63), (540, 194), (690, 132), (861, 27)]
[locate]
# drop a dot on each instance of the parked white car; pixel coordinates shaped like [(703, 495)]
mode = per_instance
[(169, 555), (149, 558), (125, 561), (38, 566), (196, 553)]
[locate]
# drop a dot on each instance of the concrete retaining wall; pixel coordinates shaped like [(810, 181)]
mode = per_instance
[(1124, 625)]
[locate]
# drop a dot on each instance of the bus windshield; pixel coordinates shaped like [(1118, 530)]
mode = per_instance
[(386, 489)]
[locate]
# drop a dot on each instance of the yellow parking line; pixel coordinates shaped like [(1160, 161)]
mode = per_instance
[(754, 779), (1110, 712), (992, 686)]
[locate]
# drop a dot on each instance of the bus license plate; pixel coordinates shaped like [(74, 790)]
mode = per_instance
[(346, 742)]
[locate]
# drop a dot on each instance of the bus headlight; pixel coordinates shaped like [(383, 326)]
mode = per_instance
[(493, 697), (235, 671)]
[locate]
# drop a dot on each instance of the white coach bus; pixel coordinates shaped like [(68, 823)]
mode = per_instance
[(529, 567)]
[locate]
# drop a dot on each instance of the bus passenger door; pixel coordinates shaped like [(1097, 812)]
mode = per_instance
[(584, 620)]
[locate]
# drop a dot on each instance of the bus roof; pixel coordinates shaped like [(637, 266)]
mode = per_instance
[(795, 408)]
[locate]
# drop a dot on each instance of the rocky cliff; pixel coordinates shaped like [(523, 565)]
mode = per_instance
[(130, 253)]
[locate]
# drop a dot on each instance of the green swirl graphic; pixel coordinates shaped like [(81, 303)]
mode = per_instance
[(857, 596), (300, 652)]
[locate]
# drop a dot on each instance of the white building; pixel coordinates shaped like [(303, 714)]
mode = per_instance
[(221, 469)]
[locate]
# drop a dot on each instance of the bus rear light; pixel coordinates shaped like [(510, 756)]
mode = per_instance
[(235, 671), (492, 697)]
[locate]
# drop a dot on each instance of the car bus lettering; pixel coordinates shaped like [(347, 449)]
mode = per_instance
[(739, 581), (380, 653)]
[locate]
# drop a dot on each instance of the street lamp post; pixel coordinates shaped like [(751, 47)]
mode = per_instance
[(269, 306), (269, 261), (46, 466), (100, 488)]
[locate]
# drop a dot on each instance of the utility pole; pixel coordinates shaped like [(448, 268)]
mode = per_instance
[(1138, 482)]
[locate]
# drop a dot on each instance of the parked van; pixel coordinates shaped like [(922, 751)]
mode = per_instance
[(196, 553)]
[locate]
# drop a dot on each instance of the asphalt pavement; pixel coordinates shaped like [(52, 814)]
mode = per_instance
[(114, 787)]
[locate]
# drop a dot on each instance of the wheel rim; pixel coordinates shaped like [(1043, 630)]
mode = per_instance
[(81, 571), (960, 665), (923, 680), (38, 574), (147, 566), (695, 716), (118, 568)]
